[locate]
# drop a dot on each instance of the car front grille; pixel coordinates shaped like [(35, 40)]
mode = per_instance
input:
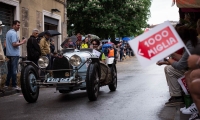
[(61, 63)]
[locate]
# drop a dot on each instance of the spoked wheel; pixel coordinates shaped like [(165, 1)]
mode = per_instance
[(92, 81), (113, 85), (29, 86)]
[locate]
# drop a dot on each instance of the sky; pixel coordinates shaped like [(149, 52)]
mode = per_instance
[(162, 10)]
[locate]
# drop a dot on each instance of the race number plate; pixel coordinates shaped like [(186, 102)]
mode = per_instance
[(57, 80)]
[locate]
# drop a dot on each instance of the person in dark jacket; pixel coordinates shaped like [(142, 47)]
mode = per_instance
[(52, 46), (33, 48)]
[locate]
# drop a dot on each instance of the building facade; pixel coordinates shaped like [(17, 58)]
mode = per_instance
[(40, 14)]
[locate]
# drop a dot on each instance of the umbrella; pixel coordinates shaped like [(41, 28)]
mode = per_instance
[(104, 40), (63, 43), (51, 32), (116, 39), (126, 39), (107, 45), (74, 38), (93, 36)]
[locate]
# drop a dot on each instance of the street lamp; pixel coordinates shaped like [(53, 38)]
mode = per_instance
[(72, 25)]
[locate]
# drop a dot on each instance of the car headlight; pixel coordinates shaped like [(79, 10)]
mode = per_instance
[(43, 62), (75, 60)]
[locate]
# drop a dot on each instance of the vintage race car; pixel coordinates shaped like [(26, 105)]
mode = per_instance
[(73, 70)]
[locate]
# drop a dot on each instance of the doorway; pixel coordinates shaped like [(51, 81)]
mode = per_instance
[(52, 24)]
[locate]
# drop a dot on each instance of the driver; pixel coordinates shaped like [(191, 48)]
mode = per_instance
[(105, 72), (95, 44)]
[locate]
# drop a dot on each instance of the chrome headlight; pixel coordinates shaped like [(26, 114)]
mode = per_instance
[(43, 62), (75, 60)]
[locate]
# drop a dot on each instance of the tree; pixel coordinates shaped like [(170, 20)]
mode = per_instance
[(108, 17)]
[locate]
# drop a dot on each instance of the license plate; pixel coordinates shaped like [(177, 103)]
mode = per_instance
[(56, 80)]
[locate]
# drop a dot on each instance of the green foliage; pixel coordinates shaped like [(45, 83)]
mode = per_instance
[(108, 17)]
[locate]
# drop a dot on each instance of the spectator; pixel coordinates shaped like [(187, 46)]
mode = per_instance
[(89, 38), (4, 47), (78, 45), (121, 51), (33, 48), (13, 53), (52, 46), (194, 80), (193, 77), (69, 43), (54, 55), (2, 55), (45, 47), (176, 69), (79, 37), (118, 52), (111, 52), (85, 43)]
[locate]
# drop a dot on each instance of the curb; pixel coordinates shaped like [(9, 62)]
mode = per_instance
[(8, 92)]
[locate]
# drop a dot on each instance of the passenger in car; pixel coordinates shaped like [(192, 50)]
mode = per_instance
[(85, 43), (69, 43), (95, 44)]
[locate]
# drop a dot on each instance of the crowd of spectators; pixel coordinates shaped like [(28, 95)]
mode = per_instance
[(183, 65)]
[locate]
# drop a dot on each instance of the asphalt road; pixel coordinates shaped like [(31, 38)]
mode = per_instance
[(140, 95)]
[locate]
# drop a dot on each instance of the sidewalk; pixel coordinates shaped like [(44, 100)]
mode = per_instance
[(179, 115), (7, 92)]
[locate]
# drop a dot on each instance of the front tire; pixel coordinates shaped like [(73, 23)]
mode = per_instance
[(29, 86), (113, 85), (92, 81)]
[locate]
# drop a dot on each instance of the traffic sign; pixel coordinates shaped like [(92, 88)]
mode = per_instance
[(156, 44)]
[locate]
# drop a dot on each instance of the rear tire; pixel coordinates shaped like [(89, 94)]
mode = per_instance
[(29, 86), (92, 81), (113, 85)]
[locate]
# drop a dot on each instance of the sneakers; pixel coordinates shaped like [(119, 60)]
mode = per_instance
[(190, 110), (194, 116), (174, 101), (17, 88), (183, 109)]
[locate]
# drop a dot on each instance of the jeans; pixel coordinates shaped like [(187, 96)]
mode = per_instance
[(121, 55), (12, 70)]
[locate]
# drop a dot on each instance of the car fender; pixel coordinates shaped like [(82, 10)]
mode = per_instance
[(27, 62), (95, 59)]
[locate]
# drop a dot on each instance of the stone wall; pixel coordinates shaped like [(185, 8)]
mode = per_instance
[(32, 17)]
